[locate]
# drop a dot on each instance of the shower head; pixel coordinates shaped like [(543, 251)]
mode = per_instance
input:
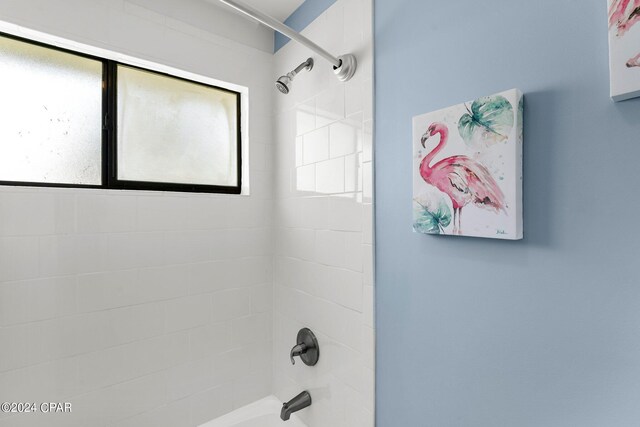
[(283, 84)]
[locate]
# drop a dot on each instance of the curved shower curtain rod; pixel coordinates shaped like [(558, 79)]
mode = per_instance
[(343, 66)]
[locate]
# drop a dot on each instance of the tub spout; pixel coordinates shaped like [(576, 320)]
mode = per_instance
[(299, 402)]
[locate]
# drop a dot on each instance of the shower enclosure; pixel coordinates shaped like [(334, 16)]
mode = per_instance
[(181, 309)]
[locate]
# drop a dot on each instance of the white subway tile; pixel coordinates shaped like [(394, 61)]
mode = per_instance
[(100, 213), (231, 304), (251, 329), (206, 212), (190, 378), (210, 340), (211, 404), (130, 361), (18, 258), (367, 146), (58, 255), (330, 176), (209, 277), (305, 178), (261, 298), (367, 181), (330, 105), (36, 213), (39, 299), (305, 117), (187, 312), (162, 213), (345, 214), (315, 146), (345, 137)]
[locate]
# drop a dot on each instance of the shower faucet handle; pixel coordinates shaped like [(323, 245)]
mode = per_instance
[(306, 348), (297, 350)]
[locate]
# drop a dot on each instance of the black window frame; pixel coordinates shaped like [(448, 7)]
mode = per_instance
[(109, 144)]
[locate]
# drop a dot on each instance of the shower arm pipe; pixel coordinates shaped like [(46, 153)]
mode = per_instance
[(282, 28)]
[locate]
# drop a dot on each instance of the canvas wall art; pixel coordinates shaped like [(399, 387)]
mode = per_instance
[(468, 168), (624, 48)]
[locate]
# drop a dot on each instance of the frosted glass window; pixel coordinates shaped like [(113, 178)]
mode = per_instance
[(50, 115), (175, 131)]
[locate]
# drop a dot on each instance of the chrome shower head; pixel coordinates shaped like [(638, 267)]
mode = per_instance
[(283, 84)]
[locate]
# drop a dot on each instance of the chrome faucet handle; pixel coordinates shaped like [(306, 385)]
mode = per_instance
[(307, 348), (297, 350)]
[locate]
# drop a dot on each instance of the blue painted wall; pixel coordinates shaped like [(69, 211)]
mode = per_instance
[(539, 333), (304, 15)]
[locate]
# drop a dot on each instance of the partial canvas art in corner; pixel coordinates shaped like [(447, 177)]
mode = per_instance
[(624, 48), (467, 163)]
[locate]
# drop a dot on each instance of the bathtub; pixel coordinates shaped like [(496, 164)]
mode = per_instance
[(263, 413)]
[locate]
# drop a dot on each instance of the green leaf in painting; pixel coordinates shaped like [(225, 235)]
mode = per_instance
[(433, 220), (489, 121)]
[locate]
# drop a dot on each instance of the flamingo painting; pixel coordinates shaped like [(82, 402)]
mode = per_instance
[(461, 178), (469, 160), (624, 40)]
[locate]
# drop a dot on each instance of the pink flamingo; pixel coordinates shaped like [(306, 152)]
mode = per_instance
[(623, 14), (463, 179)]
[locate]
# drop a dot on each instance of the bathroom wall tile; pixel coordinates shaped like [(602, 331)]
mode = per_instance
[(345, 137), (367, 223), (345, 214), (175, 414), (102, 213), (367, 146), (131, 250), (39, 299), (330, 105), (18, 258), (130, 361), (209, 276), (330, 248), (190, 378), (100, 291), (187, 312), (352, 173), (305, 178), (330, 288), (367, 180), (161, 213), (354, 102), (57, 255), (47, 213), (251, 329), (330, 176), (231, 304), (344, 287), (299, 150), (138, 322), (367, 264), (210, 404), (210, 340), (250, 271), (313, 212), (305, 117), (92, 282), (204, 213), (261, 298), (124, 400), (368, 306), (315, 146), (354, 252), (298, 243)]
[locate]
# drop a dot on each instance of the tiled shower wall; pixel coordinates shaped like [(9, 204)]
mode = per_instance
[(141, 309), (323, 223)]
